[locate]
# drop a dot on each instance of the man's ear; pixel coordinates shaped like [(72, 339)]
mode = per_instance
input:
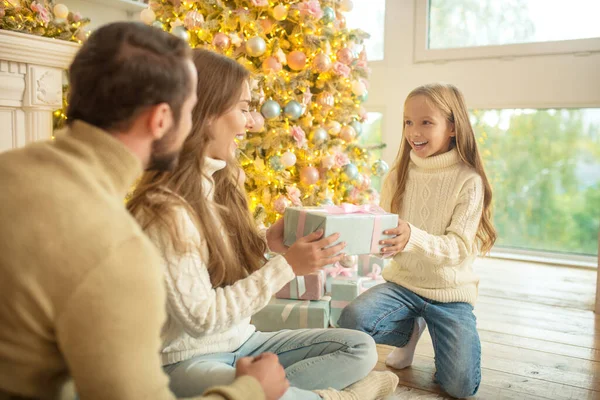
[(160, 120)]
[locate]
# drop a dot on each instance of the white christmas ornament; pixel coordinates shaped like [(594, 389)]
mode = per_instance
[(358, 88), (61, 11), (346, 5), (147, 16)]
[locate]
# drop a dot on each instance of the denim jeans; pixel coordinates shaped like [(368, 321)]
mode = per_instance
[(387, 313), (312, 358)]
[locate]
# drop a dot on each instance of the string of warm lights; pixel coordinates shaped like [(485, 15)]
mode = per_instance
[(309, 82)]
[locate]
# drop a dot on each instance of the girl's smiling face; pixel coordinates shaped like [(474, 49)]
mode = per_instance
[(426, 129)]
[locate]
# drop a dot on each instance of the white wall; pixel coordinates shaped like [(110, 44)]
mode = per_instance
[(99, 14), (540, 81)]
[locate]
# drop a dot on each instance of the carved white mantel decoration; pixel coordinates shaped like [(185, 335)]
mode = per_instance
[(31, 73)]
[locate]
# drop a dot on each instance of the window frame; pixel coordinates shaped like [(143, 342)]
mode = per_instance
[(422, 54)]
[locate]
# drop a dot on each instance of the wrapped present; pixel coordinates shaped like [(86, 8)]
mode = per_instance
[(369, 265), (343, 291), (308, 287), (292, 314), (361, 227)]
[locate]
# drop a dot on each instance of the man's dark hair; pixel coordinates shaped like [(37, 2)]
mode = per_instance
[(122, 69)]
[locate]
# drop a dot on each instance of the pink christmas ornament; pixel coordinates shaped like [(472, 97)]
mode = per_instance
[(326, 100), (322, 63), (271, 65), (221, 41), (296, 60), (309, 175), (259, 122), (348, 133), (193, 19), (345, 56)]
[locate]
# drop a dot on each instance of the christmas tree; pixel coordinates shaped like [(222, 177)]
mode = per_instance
[(43, 18), (309, 82)]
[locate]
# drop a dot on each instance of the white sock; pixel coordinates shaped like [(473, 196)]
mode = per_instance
[(402, 357), (376, 385)]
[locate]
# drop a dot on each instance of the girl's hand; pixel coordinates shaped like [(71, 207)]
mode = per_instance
[(398, 243)]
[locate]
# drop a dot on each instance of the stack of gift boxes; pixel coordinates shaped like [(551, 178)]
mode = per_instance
[(317, 300)]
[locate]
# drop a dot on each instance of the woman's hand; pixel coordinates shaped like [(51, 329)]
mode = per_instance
[(275, 237), (398, 243), (311, 253)]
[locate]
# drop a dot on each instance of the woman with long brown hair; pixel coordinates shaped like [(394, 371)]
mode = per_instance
[(215, 269), (439, 189)]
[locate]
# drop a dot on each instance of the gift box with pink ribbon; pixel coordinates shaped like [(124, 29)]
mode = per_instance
[(292, 314), (308, 287), (361, 227), (371, 266), (345, 289)]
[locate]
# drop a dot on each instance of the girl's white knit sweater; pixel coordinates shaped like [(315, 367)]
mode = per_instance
[(443, 203)]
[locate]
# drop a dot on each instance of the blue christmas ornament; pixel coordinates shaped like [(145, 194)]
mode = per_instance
[(363, 98), (270, 109), (349, 172), (357, 127), (181, 33), (293, 110), (318, 136), (379, 168), (275, 163), (328, 15)]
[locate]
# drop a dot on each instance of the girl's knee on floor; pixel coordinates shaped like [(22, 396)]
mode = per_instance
[(460, 382)]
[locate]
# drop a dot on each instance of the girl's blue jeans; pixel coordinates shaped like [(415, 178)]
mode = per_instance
[(387, 312)]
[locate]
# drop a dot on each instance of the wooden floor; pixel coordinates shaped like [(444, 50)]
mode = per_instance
[(540, 337)]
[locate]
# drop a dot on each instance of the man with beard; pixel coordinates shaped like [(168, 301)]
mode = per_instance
[(81, 290)]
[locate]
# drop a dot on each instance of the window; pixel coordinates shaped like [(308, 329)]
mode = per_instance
[(369, 15), (544, 166), (372, 137), (454, 29)]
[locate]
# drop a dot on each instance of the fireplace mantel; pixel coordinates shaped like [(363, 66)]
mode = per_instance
[(31, 78)]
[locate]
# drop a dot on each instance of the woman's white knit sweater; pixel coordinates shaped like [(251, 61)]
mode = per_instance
[(443, 203), (202, 319)]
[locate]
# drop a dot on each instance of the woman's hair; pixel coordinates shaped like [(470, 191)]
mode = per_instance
[(451, 103), (235, 248)]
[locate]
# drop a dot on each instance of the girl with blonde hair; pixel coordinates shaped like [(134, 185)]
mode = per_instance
[(440, 191)]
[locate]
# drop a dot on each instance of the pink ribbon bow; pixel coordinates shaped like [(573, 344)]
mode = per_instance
[(347, 208), (339, 270)]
